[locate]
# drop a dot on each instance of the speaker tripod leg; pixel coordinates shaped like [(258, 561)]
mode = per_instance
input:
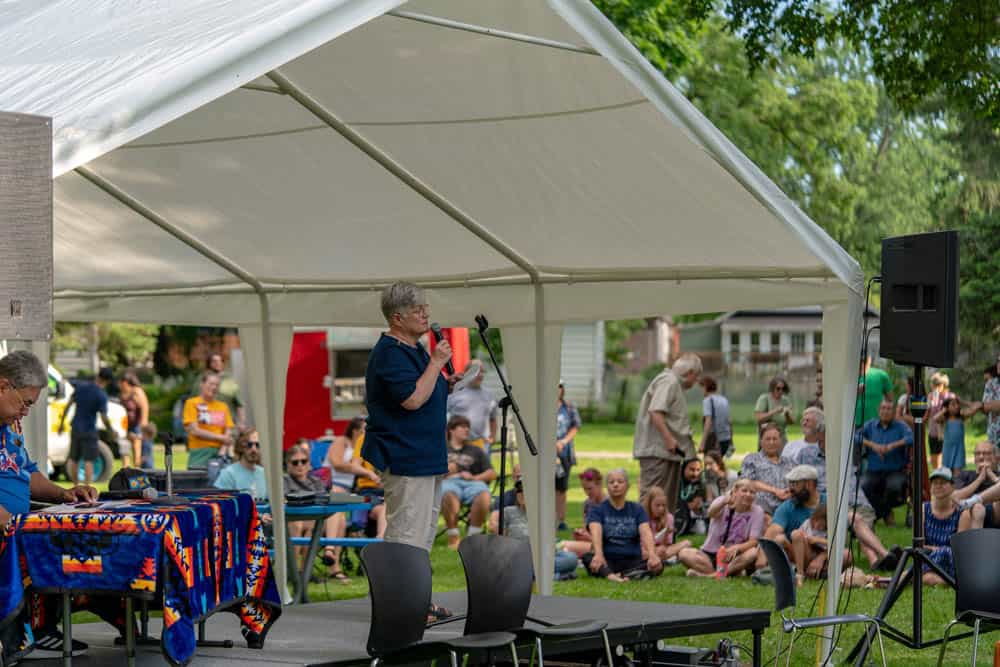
[(900, 578)]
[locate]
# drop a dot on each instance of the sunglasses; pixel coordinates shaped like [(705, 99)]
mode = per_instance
[(298, 462), (252, 444)]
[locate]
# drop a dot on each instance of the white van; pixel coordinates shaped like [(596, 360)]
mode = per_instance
[(59, 392)]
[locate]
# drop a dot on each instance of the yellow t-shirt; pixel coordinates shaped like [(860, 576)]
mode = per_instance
[(213, 417), (362, 483)]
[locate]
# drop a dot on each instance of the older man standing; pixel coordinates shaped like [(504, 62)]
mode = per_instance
[(406, 396), (663, 430), (22, 378), (478, 405)]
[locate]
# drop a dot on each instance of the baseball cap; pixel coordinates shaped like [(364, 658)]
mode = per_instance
[(802, 472), (941, 473)]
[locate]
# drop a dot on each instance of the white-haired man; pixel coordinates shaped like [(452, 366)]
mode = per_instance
[(812, 423), (663, 430)]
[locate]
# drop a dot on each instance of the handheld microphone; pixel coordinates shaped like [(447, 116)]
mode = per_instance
[(436, 330), (149, 493)]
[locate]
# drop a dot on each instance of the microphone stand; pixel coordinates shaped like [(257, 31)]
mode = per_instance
[(507, 402), (168, 458)]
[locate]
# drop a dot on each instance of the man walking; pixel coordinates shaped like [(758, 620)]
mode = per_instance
[(662, 429), (91, 400)]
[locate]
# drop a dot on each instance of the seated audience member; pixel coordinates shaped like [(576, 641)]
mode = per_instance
[(941, 515), (813, 422), (814, 452), (887, 444), (730, 549), (717, 478), (981, 497), (371, 486), (861, 517), (466, 484), (343, 456), (690, 515), (509, 495), (298, 480), (791, 513), (246, 474), (810, 547), (515, 525), (621, 535), (591, 483), (661, 522), (985, 474), (766, 469)]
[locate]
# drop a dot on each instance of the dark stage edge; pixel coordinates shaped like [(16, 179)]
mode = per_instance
[(337, 631)]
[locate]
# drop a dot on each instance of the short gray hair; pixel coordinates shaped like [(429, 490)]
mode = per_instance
[(687, 362), (23, 369), (617, 471), (399, 296), (820, 418)]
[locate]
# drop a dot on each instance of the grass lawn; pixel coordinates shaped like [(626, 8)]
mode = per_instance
[(609, 445)]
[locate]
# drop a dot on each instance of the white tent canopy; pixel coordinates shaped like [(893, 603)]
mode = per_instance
[(265, 164)]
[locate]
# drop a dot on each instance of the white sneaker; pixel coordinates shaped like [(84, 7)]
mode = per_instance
[(49, 645)]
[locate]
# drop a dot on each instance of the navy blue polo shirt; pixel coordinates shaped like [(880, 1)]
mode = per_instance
[(405, 442)]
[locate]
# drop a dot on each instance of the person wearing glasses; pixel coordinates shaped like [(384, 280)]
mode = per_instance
[(774, 407), (91, 400), (406, 395), (22, 378), (247, 474), (298, 480)]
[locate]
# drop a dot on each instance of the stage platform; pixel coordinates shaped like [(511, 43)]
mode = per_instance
[(325, 631)]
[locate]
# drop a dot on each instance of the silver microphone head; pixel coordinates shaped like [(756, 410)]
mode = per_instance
[(149, 493)]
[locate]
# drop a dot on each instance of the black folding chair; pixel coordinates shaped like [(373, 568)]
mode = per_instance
[(977, 586), (785, 595), (399, 585), (498, 575)]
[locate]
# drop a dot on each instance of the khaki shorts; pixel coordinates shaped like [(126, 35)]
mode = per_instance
[(412, 505), (867, 514)]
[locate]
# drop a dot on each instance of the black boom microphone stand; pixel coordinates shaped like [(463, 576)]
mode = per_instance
[(506, 402)]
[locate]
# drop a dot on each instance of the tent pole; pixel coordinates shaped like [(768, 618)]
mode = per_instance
[(374, 152), (216, 257), (492, 32)]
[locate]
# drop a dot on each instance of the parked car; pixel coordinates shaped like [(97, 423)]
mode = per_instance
[(59, 392)]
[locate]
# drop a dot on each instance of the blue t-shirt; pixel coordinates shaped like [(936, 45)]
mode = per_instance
[(567, 417), (883, 435), (620, 528), (405, 442), (15, 472), (237, 478), (90, 401), (791, 515)]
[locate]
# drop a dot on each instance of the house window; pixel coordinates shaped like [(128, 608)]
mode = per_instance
[(734, 340), (775, 341), (817, 341), (755, 341), (798, 343)]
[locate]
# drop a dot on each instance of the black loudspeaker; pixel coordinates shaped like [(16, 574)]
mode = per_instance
[(26, 225), (919, 317)]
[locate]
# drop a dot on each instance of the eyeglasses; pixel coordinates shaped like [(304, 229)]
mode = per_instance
[(298, 462), (25, 405), (252, 444)]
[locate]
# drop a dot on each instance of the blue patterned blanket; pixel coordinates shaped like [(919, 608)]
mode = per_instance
[(207, 555)]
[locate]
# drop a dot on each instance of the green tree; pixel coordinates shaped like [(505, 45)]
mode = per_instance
[(665, 32), (827, 134), (948, 49), (616, 332), (118, 344)]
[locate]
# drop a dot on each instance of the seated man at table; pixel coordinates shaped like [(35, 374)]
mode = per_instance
[(298, 480), (22, 378), (246, 474), (466, 484)]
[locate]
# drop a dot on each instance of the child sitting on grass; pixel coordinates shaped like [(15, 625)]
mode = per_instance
[(809, 545), (662, 524)]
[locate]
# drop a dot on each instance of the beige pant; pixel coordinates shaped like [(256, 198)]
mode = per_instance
[(412, 505), (663, 473)]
